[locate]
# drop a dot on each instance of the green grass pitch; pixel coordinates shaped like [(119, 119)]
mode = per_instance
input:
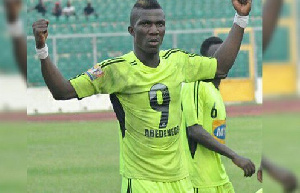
[(84, 156)]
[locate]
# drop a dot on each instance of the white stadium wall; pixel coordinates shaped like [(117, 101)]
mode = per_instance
[(40, 101), (13, 89)]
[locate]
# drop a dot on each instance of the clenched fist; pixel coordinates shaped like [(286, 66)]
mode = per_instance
[(40, 32), (242, 7), (245, 164)]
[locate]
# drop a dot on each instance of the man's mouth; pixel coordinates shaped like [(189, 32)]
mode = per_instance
[(154, 42)]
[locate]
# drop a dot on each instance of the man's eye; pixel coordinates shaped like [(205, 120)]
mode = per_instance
[(146, 24)]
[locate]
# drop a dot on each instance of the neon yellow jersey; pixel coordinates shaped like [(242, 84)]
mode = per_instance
[(260, 191), (202, 104), (147, 104)]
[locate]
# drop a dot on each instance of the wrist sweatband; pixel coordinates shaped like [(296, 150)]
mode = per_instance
[(241, 21), (15, 29), (42, 53)]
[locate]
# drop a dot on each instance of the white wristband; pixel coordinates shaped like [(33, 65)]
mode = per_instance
[(42, 53), (16, 29), (241, 21)]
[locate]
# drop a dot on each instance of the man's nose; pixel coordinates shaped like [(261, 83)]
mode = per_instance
[(153, 29)]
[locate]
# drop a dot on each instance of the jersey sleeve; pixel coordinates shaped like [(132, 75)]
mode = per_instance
[(97, 80), (189, 107), (199, 68)]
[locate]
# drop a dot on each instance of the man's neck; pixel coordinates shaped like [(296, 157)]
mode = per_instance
[(150, 60)]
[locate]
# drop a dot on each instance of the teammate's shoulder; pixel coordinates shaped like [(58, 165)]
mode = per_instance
[(175, 52), (207, 86)]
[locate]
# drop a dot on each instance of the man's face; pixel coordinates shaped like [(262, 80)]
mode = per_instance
[(148, 30)]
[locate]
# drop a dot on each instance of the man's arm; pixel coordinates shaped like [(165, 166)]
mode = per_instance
[(201, 136), (228, 51), (271, 13), (60, 88), (13, 9)]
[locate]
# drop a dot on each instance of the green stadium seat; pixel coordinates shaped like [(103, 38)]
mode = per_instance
[(180, 15)]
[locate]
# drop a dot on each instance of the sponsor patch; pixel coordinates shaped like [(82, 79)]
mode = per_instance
[(219, 130), (95, 72)]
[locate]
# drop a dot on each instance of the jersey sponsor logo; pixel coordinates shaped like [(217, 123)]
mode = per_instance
[(95, 72), (161, 133), (219, 130)]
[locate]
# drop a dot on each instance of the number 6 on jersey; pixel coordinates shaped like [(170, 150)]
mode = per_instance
[(164, 107)]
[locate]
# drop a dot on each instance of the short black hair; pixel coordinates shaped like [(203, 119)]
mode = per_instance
[(143, 4), (209, 42), (147, 4)]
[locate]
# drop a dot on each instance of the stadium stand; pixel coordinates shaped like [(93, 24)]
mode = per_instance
[(280, 59), (75, 55)]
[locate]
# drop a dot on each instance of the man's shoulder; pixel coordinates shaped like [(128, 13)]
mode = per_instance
[(175, 52), (117, 61), (171, 52)]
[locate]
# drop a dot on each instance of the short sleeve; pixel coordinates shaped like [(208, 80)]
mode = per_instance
[(97, 80), (188, 104), (199, 68)]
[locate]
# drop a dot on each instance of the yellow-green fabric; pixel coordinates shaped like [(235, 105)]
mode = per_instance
[(147, 104), (203, 105), (146, 186), (260, 191), (225, 188)]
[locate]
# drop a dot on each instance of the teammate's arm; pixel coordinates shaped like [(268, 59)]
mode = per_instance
[(271, 13), (195, 131), (60, 88), (201, 136), (13, 9), (229, 49), (281, 175)]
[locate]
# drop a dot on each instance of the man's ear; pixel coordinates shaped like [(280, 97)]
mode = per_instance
[(131, 30)]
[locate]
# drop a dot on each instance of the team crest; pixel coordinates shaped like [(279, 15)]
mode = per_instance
[(95, 72)]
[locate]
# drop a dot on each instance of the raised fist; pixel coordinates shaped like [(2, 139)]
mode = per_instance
[(40, 32), (242, 7)]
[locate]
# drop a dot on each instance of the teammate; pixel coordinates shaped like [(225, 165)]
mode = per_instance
[(204, 116), (145, 89)]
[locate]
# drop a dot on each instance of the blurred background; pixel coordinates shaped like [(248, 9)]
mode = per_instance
[(12, 113), (281, 105)]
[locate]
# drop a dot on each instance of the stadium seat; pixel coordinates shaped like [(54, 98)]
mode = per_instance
[(180, 15)]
